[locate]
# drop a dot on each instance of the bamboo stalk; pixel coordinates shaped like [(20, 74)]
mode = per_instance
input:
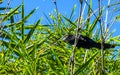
[(72, 58), (102, 36)]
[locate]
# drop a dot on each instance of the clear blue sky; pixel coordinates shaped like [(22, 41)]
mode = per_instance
[(47, 6)]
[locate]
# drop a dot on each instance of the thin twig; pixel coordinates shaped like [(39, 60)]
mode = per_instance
[(106, 18), (72, 58), (56, 7), (102, 37), (84, 7)]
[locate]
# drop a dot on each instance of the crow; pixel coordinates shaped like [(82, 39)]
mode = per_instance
[(86, 42)]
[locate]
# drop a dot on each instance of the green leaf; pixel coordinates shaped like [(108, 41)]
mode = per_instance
[(12, 46), (26, 17), (59, 63), (117, 18), (31, 31), (92, 27), (47, 18), (72, 13), (1, 1), (22, 27), (69, 21), (85, 64), (11, 13), (4, 8), (7, 35), (88, 15)]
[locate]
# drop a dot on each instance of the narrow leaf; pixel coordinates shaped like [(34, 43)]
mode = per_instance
[(85, 65), (59, 62), (32, 31), (11, 13)]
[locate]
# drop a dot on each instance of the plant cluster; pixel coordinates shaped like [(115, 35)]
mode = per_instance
[(39, 49)]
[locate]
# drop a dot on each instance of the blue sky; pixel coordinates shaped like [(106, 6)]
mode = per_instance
[(47, 6)]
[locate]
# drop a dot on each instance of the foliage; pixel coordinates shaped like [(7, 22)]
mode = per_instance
[(38, 49)]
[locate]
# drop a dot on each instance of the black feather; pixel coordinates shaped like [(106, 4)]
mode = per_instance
[(86, 42)]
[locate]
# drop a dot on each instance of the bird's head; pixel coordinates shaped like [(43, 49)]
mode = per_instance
[(69, 38)]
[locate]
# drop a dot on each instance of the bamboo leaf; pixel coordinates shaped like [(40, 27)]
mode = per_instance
[(89, 12), (69, 21), (26, 17), (3, 8), (12, 46), (94, 24), (72, 13), (85, 65), (117, 18), (22, 21), (32, 31), (22, 27), (59, 62), (47, 18), (11, 13), (6, 35)]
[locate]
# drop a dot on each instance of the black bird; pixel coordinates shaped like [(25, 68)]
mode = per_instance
[(86, 42)]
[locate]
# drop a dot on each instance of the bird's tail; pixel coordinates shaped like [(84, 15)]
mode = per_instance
[(106, 46)]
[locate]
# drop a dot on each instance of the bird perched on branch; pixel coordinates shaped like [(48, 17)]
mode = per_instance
[(86, 42)]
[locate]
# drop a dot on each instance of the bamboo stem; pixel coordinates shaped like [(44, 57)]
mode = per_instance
[(72, 58), (102, 37)]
